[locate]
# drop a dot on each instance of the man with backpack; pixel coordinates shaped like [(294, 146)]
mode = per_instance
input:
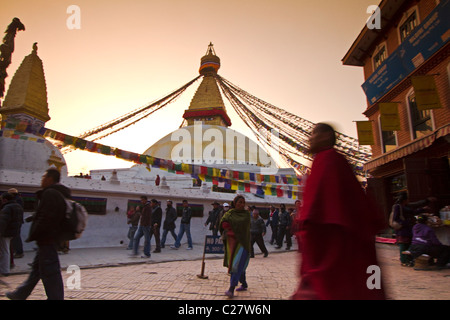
[(46, 231)]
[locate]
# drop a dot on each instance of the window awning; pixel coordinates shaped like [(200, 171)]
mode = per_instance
[(410, 148)]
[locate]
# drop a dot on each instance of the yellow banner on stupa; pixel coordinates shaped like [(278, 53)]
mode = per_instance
[(389, 117), (426, 93), (365, 133)]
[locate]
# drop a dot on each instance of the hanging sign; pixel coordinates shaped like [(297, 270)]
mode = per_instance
[(365, 133), (426, 93), (389, 117)]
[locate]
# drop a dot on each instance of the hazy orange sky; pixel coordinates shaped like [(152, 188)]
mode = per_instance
[(129, 53)]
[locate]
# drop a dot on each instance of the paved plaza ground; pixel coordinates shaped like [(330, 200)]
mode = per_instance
[(111, 274)]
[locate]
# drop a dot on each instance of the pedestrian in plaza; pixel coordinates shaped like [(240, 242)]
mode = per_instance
[(185, 226), (133, 216), (16, 242), (45, 230), (235, 228), (213, 217), (424, 241), (156, 224), (224, 209), (295, 223), (338, 225), (11, 217), (404, 214), (284, 228), (143, 228), (169, 223), (257, 233), (273, 222)]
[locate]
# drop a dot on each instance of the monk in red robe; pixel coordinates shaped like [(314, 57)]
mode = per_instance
[(337, 228)]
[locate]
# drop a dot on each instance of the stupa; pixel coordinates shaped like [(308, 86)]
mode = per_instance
[(206, 139), (26, 100)]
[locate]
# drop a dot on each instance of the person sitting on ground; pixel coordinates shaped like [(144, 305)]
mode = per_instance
[(424, 241)]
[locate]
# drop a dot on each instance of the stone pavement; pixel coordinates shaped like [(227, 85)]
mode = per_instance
[(111, 274)]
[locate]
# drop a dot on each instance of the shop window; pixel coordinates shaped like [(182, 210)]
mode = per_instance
[(421, 123), (132, 204), (379, 57), (398, 185), (197, 210), (388, 140), (29, 201), (92, 205), (408, 25)]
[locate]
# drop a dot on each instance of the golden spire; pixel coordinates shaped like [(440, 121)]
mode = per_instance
[(209, 63), (207, 104), (27, 93)]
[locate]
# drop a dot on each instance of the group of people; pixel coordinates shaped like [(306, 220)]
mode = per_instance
[(281, 223), (145, 221), (414, 235)]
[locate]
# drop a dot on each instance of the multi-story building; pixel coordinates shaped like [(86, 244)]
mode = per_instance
[(404, 51)]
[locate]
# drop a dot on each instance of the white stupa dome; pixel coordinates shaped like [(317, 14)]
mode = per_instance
[(210, 145)]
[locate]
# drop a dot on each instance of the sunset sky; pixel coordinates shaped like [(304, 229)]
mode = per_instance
[(128, 54)]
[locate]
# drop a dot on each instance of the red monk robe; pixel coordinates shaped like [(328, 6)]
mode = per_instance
[(337, 233)]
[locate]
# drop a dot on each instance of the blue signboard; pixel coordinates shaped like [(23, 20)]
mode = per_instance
[(425, 40), (213, 244), (389, 74)]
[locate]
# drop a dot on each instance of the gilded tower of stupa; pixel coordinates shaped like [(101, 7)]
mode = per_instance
[(207, 105), (26, 101), (27, 94)]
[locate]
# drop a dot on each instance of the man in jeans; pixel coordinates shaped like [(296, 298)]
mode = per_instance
[(143, 229), (156, 224), (45, 230), (185, 226)]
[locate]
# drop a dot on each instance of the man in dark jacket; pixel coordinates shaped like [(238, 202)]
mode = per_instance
[(273, 223), (45, 230), (11, 214), (133, 217), (16, 241), (185, 226), (257, 232), (169, 223), (143, 228), (213, 218), (284, 228), (156, 224)]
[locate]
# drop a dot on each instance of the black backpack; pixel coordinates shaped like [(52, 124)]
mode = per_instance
[(74, 221)]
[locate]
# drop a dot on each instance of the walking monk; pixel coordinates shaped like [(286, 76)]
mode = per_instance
[(337, 228)]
